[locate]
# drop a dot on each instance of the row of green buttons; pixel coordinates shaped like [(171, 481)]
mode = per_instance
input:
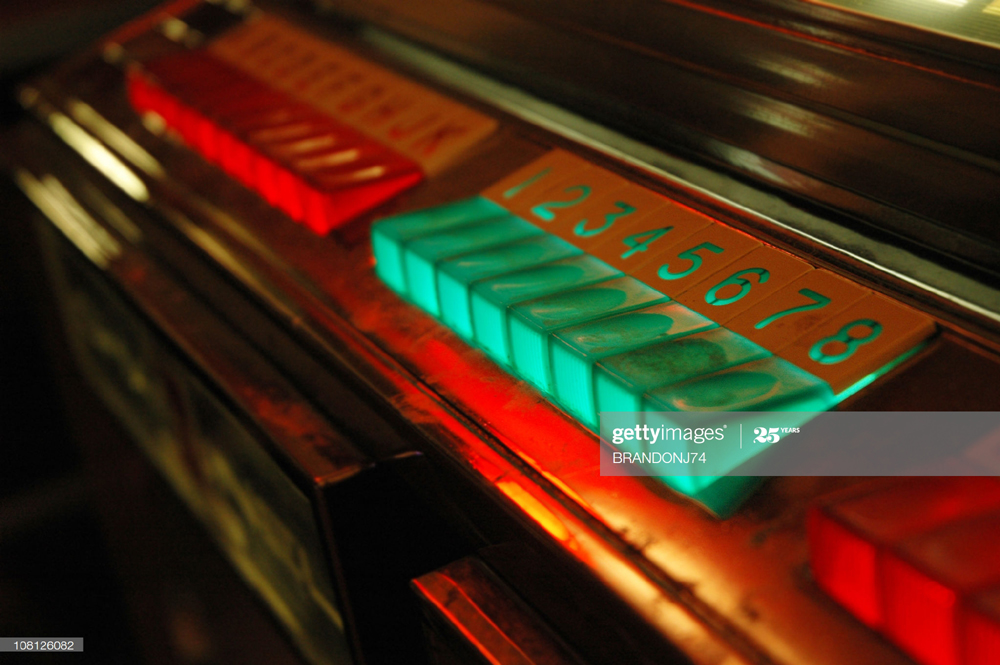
[(581, 331)]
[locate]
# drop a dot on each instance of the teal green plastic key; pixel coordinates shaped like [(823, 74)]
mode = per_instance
[(389, 235), (532, 322), (491, 298), (455, 277), (422, 255), (620, 381), (781, 396), (575, 350)]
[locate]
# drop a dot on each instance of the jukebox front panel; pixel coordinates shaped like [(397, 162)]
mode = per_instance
[(485, 289)]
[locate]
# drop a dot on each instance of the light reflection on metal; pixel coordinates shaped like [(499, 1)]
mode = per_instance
[(800, 71), (537, 511), (884, 257), (98, 156), (114, 137), (69, 217)]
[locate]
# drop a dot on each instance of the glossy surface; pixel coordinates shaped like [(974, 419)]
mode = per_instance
[(859, 341), (743, 283), (533, 322), (575, 350)]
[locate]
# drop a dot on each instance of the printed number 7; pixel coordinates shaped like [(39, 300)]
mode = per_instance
[(820, 301)]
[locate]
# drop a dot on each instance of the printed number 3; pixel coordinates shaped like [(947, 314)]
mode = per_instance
[(844, 336), (692, 256), (609, 219)]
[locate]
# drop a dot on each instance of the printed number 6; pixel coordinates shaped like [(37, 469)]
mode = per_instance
[(844, 336), (735, 279)]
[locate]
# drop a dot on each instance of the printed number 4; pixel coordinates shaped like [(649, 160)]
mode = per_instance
[(640, 242)]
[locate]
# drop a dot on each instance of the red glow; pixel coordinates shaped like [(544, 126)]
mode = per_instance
[(844, 565), (298, 159), (919, 613), (980, 630)]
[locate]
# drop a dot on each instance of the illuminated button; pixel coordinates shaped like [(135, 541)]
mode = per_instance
[(620, 381), (559, 208), (797, 308), (766, 385), (334, 196), (455, 277), (846, 535), (926, 577), (491, 298), (859, 341), (532, 322), (389, 235), (680, 265), (520, 189), (606, 214), (421, 256), (980, 629), (575, 350), (628, 246), (743, 283), (282, 181)]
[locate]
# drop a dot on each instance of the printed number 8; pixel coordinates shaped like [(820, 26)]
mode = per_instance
[(844, 336)]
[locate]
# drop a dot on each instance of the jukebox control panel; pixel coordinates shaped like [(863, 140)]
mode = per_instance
[(602, 294)]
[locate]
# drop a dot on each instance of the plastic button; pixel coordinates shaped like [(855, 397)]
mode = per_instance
[(575, 350), (532, 322), (389, 235), (421, 256), (859, 341), (455, 277), (621, 381), (491, 298)]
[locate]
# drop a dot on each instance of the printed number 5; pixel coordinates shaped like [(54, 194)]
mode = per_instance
[(692, 256)]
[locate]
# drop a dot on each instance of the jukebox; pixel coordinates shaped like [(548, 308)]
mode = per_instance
[(360, 278)]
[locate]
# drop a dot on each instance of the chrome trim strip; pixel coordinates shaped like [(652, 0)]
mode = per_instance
[(900, 264)]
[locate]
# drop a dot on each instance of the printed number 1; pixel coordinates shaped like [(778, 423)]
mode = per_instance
[(516, 189), (820, 301)]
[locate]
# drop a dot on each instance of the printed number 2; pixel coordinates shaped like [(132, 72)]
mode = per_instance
[(844, 337), (544, 210), (692, 256)]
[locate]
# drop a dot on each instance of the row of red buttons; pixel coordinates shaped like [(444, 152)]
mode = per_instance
[(919, 561), (315, 169)]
